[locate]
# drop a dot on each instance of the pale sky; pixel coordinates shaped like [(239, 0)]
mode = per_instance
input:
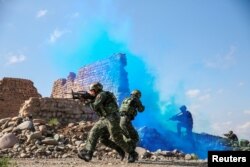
[(197, 50)]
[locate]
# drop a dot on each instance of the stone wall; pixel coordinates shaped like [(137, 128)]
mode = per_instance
[(65, 110), (110, 72), (13, 92)]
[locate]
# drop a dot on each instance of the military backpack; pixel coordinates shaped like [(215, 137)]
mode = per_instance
[(127, 106)]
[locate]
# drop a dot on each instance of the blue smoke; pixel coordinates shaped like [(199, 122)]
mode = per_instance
[(95, 44)]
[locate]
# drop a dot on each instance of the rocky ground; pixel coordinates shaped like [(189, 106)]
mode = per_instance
[(35, 142), (75, 162), (35, 138)]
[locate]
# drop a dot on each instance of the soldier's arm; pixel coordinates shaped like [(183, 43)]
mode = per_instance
[(100, 98), (139, 105)]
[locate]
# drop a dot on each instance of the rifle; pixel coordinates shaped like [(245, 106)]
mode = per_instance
[(81, 95), (176, 117)]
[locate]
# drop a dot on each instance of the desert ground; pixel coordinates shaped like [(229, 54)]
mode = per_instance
[(75, 162)]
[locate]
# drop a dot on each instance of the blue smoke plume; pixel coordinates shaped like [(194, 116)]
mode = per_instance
[(95, 44)]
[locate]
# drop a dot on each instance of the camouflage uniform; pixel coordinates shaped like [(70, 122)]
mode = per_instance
[(128, 114), (106, 107), (232, 138)]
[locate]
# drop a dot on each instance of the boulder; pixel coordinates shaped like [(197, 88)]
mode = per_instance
[(188, 157), (8, 140), (25, 125)]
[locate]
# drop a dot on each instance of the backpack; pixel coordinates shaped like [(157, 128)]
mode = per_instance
[(127, 106)]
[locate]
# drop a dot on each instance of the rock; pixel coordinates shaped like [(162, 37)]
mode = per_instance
[(188, 157), (60, 148), (35, 135), (194, 156), (57, 137), (167, 153), (65, 155), (38, 142), (43, 129), (61, 136), (39, 121), (78, 143), (141, 151), (8, 140), (25, 125), (4, 120), (154, 158), (16, 118), (70, 125), (5, 125), (49, 141), (7, 130), (23, 155), (175, 151)]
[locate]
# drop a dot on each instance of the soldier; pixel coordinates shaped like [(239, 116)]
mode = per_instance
[(128, 110), (106, 107), (185, 120), (231, 136)]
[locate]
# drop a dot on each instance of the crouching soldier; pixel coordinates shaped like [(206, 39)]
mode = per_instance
[(128, 110), (232, 138)]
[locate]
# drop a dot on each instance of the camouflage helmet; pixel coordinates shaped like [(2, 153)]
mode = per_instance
[(183, 108), (230, 132), (136, 93), (97, 86)]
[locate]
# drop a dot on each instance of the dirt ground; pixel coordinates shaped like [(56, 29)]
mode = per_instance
[(75, 162)]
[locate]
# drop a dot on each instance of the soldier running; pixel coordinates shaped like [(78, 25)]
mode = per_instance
[(106, 107), (128, 110)]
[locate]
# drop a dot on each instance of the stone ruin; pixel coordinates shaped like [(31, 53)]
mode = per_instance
[(13, 92), (64, 110), (110, 72)]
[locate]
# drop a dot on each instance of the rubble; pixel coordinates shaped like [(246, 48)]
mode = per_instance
[(57, 141)]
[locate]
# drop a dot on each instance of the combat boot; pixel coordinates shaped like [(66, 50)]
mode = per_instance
[(121, 153), (133, 156), (85, 155)]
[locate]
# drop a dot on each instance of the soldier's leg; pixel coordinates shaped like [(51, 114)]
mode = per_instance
[(93, 136), (179, 129), (189, 132), (105, 139), (133, 134), (123, 124), (117, 136)]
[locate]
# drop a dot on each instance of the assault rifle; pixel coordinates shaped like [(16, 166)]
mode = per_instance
[(81, 95), (176, 117)]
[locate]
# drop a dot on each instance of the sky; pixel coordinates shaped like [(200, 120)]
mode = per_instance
[(197, 51)]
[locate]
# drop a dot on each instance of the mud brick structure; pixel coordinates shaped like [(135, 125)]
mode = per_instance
[(13, 92), (64, 110), (110, 72)]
